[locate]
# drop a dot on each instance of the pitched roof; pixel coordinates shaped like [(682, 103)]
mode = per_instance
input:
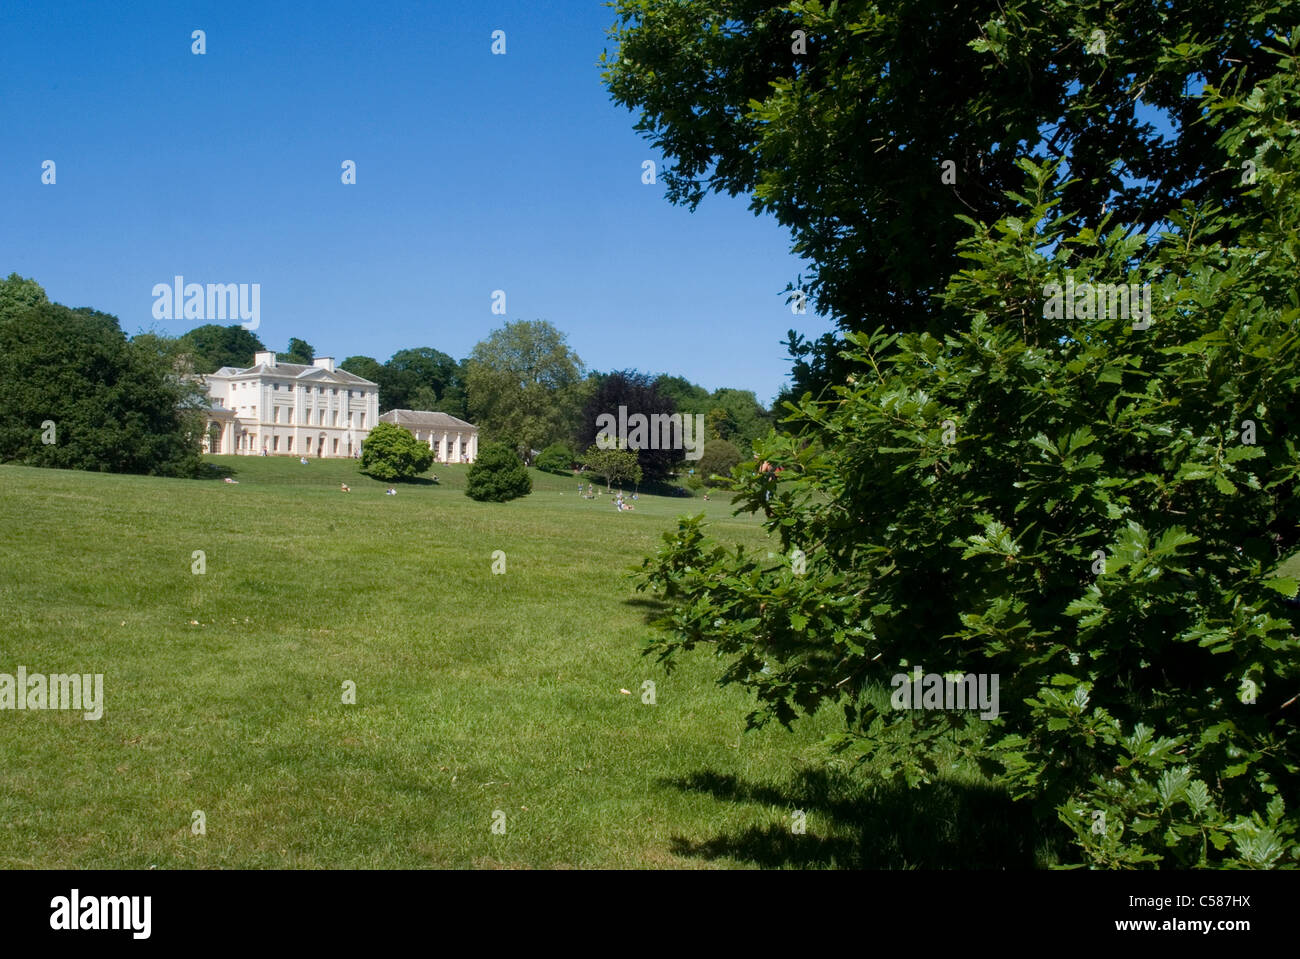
[(425, 418), (297, 371)]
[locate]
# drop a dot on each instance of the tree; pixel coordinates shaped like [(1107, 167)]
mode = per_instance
[(213, 347), (1088, 505), (523, 383), (393, 453), (78, 395), (871, 133), (299, 351), (687, 397), (740, 418), (556, 458), (498, 475), (416, 379), (615, 466), (637, 394), (18, 294), (366, 367), (719, 458)]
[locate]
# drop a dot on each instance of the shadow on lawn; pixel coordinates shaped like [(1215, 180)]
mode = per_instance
[(213, 471), (946, 825)]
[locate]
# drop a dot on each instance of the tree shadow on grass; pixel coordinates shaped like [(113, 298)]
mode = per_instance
[(854, 825), (214, 471)]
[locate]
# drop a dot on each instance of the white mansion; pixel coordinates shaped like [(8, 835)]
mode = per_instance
[(452, 440), (289, 409)]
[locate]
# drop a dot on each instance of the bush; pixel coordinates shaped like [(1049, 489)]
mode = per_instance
[(392, 453), (719, 458), (1092, 508), (556, 458), (498, 475)]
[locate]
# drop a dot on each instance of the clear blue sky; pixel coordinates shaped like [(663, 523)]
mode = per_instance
[(475, 172)]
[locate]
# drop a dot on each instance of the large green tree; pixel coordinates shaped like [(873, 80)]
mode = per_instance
[(870, 129), (524, 385), (1090, 505), (76, 394), (212, 347), (416, 379), (366, 367)]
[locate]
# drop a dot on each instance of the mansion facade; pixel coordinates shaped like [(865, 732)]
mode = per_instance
[(452, 440), (289, 409)]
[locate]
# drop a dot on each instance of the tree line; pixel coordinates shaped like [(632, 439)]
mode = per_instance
[(523, 385), (135, 404)]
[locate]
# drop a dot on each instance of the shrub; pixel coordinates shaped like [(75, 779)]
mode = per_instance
[(498, 475), (392, 453), (720, 457), (556, 458)]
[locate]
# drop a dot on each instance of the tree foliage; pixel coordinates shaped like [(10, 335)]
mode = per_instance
[(637, 394), (523, 384), (1093, 512), (77, 394), (719, 458), (393, 453), (298, 351), (498, 475), (212, 347), (614, 466), (556, 458), (844, 138)]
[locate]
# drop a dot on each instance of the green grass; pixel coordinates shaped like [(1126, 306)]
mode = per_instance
[(475, 692)]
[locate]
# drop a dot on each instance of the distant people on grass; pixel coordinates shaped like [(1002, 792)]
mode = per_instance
[(345, 488)]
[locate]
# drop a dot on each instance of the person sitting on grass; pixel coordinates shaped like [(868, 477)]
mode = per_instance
[(390, 492), (345, 488)]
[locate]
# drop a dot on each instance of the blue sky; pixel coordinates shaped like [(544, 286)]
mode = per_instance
[(475, 173)]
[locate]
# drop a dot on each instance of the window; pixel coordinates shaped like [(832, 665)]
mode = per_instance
[(290, 444), (336, 446), (320, 389), (275, 442), (275, 414), (336, 417), (309, 444), (275, 386)]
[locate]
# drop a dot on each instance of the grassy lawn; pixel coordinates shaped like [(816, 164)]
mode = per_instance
[(474, 692)]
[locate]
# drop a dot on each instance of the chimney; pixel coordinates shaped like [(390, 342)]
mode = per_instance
[(264, 356), (324, 362)]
